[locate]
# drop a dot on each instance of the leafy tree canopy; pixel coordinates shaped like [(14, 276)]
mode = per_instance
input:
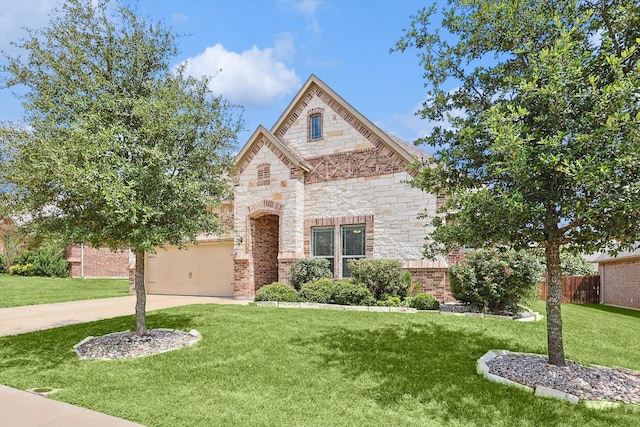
[(541, 141), (117, 148)]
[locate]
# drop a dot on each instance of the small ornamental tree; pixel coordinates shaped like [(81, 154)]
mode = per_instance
[(118, 148), (495, 281), (537, 128)]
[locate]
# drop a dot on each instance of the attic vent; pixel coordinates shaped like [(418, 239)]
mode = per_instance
[(264, 174)]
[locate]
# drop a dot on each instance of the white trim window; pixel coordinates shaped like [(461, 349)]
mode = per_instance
[(353, 245), (322, 244), (315, 127)]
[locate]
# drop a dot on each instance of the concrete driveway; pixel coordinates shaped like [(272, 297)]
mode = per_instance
[(18, 320)]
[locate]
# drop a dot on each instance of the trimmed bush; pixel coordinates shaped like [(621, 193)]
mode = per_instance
[(347, 292), (308, 270), (389, 301), (381, 276), (495, 281), (276, 291), (423, 301), (320, 291)]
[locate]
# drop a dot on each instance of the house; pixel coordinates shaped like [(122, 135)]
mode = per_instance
[(86, 261), (620, 279), (323, 182)]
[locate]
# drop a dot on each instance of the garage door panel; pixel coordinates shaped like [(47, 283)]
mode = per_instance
[(205, 269)]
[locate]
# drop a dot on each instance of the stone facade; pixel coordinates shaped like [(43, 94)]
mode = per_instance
[(289, 179)]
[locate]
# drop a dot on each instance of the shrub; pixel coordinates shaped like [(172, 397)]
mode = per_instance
[(320, 291), (309, 269), (389, 301), (46, 262), (347, 292), (423, 301), (3, 263), (276, 291), (21, 270), (381, 276), (492, 280)]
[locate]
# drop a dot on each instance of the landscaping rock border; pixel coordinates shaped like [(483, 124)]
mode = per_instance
[(379, 309), (457, 309), (632, 378)]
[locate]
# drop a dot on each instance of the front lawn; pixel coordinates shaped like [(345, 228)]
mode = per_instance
[(17, 291), (260, 366)]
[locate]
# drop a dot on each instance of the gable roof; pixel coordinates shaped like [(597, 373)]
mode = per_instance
[(630, 254), (315, 86), (262, 137)]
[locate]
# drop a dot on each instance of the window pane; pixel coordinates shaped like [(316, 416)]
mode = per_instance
[(322, 241), (353, 240), (316, 127)]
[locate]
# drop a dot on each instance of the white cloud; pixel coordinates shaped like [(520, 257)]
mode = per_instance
[(19, 14), (251, 78)]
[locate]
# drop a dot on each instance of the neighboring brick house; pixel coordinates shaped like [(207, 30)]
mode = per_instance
[(323, 182), (85, 261), (620, 279)]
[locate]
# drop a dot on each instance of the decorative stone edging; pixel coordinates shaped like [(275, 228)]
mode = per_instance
[(483, 369), (533, 318), (383, 309)]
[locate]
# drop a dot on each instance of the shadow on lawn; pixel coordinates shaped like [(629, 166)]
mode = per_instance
[(50, 348), (436, 367)]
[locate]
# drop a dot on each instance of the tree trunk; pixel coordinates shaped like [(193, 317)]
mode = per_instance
[(141, 295), (555, 347)]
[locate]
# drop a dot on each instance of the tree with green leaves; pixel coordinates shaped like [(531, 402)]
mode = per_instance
[(538, 140), (117, 148)]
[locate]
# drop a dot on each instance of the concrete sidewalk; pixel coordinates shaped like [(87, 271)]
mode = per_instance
[(24, 409), (18, 320)]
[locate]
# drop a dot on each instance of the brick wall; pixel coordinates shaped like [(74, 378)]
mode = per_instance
[(265, 250), (620, 283), (435, 281), (242, 279), (99, 262)]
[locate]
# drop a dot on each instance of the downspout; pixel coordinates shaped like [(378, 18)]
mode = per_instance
[(82, 260)]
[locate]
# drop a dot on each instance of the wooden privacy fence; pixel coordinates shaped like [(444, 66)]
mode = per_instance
[(576, 289)]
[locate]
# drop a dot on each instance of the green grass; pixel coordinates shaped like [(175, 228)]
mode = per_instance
[(293, 367), (17, 291)]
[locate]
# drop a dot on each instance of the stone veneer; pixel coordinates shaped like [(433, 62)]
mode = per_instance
[(354, 177)]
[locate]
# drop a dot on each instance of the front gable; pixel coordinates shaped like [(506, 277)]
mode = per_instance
[(350, 146)]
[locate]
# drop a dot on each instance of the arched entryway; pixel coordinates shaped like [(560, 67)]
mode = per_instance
[(265, 236)]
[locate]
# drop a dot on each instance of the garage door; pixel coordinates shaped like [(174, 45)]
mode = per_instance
[(205, 269)]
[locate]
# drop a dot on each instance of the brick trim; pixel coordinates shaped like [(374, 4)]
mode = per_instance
[(241, 167), (354, 164)]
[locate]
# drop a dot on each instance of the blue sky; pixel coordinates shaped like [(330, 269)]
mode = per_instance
[(266, 50)]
